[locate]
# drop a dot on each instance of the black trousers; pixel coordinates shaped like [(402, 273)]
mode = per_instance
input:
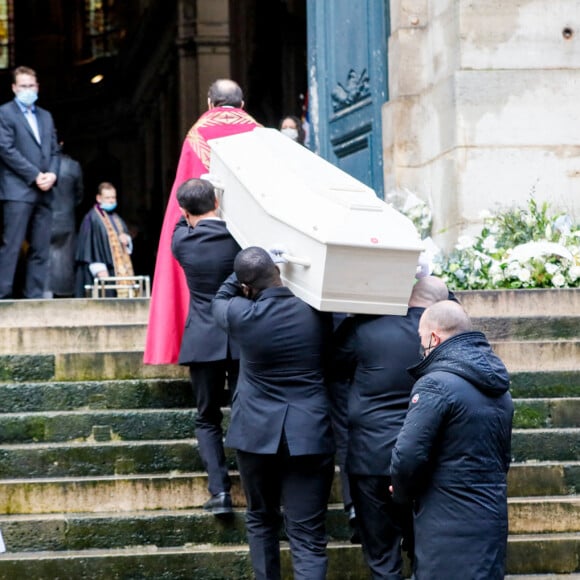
[(301, 485), (25, 221), (209, 381), (382, 525), (338, 393)]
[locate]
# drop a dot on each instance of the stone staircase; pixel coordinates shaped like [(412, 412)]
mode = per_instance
[(101, 478)]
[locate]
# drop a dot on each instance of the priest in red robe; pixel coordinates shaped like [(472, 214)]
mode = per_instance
[(170, 295)]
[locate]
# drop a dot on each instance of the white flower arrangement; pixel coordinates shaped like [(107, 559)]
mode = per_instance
[(516, 248), (519, 248)]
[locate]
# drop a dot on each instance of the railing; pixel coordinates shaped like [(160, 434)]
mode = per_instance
[(120, 287)]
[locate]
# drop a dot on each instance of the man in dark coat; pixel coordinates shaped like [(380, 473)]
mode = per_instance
[(453, 453), (104, 245), (280, 423), (29, 160), (373, 353), (68, 194), (205, 250)]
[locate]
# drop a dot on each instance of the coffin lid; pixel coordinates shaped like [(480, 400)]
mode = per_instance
[(299, 188)]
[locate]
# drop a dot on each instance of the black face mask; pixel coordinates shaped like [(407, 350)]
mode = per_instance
[(249, 291), (424, 351)]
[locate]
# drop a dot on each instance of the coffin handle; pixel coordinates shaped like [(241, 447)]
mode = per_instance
[(297, 260)]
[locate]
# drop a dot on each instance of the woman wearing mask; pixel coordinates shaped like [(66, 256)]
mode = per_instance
[(291, 126)]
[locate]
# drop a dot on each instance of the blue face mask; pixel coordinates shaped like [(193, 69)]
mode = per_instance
[(108, 206), (27, 96)]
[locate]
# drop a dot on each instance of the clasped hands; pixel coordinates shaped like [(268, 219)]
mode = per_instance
[(45, 181)]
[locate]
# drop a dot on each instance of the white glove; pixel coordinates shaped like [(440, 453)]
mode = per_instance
[(277, 254), (424, 265)]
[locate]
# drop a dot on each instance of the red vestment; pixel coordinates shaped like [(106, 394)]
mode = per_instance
[(170, 295)]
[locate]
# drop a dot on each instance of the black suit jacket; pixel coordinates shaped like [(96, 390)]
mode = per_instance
[(374, 352), (206, 253), (281, 386), (22, 158), (67, 195)]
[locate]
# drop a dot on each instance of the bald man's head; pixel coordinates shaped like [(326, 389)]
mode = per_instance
[(225, 93), (428, 291), (440, 322)]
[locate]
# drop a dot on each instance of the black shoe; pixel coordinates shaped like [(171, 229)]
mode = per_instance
[(220, 505), (355, 536)]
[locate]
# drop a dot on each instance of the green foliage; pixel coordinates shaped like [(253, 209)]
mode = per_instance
[(517, 248)]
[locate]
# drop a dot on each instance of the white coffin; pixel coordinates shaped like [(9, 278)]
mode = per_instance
[(348, 250)]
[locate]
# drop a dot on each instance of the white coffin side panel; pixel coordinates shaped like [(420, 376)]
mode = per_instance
[(361, 254)]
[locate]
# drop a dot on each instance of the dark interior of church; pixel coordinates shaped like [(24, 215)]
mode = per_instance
[(125, 79)]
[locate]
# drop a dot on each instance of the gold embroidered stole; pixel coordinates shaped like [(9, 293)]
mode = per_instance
[(213, 121), (121, 259)]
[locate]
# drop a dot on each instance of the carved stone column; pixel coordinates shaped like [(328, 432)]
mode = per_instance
[(203, 40)]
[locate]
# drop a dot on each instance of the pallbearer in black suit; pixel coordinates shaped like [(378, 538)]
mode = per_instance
[(205, 249), (29, 161), (280, 422), (373, 352)]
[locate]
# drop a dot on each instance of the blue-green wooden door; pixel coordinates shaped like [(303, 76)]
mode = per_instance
[(347, 79)]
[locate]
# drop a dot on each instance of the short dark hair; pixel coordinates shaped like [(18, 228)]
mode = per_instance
[(254, 266), (196, 196), (225, 92)]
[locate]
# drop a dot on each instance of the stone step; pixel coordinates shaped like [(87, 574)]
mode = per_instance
[(120, 493), (73, 312), (97, 425), (546, 444), (149, 424), (111, 365), (516, 303), (166, 528), (73, 339), (545, 384), (533, 372), (70, 396), (527, 328), (539, 355), (78, 459), (70, 336), (544, 515), (94, 457), (184, 490), (544, 413), (546, 553), (161, 528), (47, 395), (96, 366), (104, 352), (544, 478), (478, 303)]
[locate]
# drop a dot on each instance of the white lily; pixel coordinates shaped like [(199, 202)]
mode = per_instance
[(525, 252)]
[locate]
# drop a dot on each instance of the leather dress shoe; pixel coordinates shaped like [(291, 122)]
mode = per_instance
[(220, 505)]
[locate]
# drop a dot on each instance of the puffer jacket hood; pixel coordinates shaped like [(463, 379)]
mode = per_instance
[(470, 356)]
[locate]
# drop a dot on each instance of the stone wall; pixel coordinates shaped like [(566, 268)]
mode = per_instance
[(484, 106)]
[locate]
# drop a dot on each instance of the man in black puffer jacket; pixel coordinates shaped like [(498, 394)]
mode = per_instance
[(453, 453)]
